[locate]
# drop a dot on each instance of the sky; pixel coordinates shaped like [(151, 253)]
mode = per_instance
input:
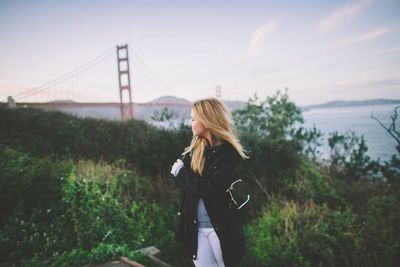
[(320, 50)]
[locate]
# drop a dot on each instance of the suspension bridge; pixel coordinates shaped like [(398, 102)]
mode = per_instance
[(87, 89)]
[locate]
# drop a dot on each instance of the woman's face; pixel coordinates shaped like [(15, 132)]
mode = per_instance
[(197, 128)]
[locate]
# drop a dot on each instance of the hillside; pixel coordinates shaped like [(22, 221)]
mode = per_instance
[(353, 103)]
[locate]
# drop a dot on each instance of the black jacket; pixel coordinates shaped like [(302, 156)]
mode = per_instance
[(221, 164)]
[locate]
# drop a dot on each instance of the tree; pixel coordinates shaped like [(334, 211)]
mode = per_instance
[(278, 119), (274, 118), (164, 115), (391, 168), (349, 157), (272, 132), (392, 127)]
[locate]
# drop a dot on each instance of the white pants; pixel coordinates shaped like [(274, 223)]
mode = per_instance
[(209, 253)]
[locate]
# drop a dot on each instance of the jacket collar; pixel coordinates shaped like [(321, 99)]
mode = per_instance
[(214, 149)]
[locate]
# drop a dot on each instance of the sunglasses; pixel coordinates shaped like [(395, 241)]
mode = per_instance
[(230, 189)]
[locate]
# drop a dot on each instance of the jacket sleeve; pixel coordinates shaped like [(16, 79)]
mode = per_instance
[(217, 181)]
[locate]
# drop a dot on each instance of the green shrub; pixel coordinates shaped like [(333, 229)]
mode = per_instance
[(380, 232), (349, 159), (90, 217), (288, 234), (27, 183), (148, 150), (58, 209), (311, 182)]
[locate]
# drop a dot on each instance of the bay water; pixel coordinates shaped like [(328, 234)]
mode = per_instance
[(358, 119)]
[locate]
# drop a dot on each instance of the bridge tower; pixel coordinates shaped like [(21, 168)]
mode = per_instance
[(126, 109), (218, 92)]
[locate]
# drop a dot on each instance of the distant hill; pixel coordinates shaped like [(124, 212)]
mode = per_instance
[(67, 101), (170, 100), (353, 103), (180, 106), (233, 105)]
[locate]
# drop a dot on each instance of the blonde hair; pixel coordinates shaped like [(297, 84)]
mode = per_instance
[(213, 115)]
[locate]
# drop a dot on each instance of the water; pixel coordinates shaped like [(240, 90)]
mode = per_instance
[(380, 143)]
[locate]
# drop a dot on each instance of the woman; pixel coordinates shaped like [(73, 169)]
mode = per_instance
[(208, 221)]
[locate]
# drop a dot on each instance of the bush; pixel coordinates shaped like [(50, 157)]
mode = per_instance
[(27, 183), (380, 231), (312, 183), (272, 133), (348, 157), (58, 209), (290, 234), (83, 216), (148, 150)]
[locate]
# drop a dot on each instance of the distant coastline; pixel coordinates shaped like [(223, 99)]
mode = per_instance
[(352, 103), (176, 103)]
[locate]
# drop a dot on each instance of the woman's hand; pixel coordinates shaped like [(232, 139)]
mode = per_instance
[(176, 167)]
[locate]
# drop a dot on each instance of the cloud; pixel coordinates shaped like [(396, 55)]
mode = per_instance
[(363, 84), (393, 49), (347, 83), (258, 39), (342, 14), (363, 38), (354, 85)]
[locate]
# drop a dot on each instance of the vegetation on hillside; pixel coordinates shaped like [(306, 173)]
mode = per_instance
[(76, 191)]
